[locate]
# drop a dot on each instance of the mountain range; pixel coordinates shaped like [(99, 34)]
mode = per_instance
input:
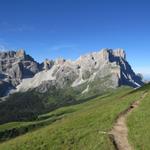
[(29, 88), (94, 102), (91, 73)]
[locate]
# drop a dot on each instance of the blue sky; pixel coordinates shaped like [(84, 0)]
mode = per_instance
[(70, 28)]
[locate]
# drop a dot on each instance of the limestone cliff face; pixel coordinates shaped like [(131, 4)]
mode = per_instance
[(15, 66), (119, 53), (100, 70)]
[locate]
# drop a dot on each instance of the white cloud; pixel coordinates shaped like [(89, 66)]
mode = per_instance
[(144, 70), (59, 47)]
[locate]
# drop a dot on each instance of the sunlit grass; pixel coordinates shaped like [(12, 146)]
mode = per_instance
[(139, 124), (80, 127)]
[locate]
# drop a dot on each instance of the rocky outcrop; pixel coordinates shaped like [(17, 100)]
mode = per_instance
[(5, 87), (15, 66), (47, 64), (96, 71)]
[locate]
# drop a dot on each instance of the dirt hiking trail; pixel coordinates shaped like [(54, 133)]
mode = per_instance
[(119, 132)]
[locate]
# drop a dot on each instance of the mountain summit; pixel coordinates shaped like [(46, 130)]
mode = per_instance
[(97, 71)]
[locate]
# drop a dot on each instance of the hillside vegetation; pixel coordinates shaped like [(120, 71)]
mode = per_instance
[(82, 126), (26, 106)]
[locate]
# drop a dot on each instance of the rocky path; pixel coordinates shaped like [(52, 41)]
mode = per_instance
[(119, 133)]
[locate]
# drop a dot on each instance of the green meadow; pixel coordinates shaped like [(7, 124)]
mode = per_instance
[(81, 126)]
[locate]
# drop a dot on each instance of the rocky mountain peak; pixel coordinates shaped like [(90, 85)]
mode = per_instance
[(107, 54), (120, 53), (104, 69), (21, 53), (47, 64), (14, 66), (60, 61)]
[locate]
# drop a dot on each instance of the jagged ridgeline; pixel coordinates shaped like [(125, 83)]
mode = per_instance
[(36, 88)]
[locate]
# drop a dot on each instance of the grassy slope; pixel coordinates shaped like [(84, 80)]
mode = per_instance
[(80, 127), (28, 105), (139, 124)]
